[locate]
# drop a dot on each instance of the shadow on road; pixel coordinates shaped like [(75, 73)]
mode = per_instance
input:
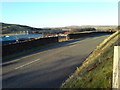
[(58, 45)]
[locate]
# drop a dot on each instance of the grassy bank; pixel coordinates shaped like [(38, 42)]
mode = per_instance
[(96, 71)]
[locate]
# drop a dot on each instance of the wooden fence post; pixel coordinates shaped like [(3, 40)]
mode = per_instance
[(116, 68)]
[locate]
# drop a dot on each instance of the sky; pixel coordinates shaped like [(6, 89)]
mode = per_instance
[(60, 14)]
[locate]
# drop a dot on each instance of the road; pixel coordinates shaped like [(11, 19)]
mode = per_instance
[(51, 67)]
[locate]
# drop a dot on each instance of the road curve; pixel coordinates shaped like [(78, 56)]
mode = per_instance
[(51, 67)]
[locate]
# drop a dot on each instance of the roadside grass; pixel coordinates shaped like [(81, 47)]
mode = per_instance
[(96, 71)]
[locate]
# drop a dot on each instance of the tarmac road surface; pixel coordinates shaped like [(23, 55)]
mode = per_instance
[(51, 67)]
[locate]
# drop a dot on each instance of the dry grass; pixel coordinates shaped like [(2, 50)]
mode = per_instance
[(101, 48)]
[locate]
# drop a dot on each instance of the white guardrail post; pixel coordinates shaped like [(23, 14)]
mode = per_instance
[(116, 68)]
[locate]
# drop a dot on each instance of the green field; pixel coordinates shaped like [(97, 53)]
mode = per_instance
[(96, 71)]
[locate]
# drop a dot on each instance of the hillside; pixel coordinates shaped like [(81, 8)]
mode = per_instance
[(15, 28), (96, 71)]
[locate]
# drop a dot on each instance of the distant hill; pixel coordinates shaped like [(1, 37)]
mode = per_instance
[(15, 28), (97, 27), (9, 28)]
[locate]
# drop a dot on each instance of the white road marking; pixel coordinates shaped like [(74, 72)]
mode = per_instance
[(27, 64), (36, 60), (72, 45)]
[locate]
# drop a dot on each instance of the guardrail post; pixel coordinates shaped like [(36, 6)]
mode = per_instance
[(116, 68)]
